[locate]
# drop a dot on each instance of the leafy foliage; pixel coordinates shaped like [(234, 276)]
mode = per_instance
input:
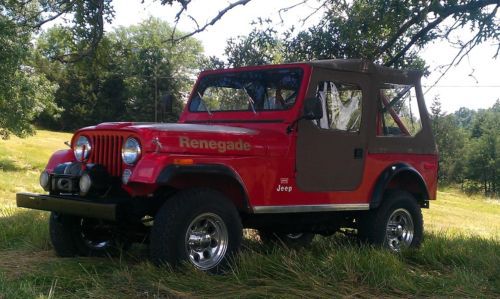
[(469, 146), (119, 83), (388, 32), (261, 46), (23, 93)]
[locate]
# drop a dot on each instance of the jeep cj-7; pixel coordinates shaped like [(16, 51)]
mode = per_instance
[(290, 150)]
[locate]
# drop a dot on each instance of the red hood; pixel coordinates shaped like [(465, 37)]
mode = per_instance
[(204, 139)]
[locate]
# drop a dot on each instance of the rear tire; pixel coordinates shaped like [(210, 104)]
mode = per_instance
[(71, 236), (198, 226), (397, 224), (61, 235), (292, 240)]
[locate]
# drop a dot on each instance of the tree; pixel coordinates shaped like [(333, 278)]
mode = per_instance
[(23, 93), (386, 31), (391, 32), (130, 71), (436, 113), (464, 117), (89, 16), (469, 147), (261, 46), (451, 140), (483, 157), (153, 67)]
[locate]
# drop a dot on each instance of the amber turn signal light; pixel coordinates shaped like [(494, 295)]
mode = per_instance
[(183, 161)]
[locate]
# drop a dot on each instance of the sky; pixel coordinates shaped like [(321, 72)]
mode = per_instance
[(474, 83)]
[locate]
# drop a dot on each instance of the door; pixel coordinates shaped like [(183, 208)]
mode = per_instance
[(331, 151)]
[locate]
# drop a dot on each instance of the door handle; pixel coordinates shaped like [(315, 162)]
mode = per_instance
[(358, 153)]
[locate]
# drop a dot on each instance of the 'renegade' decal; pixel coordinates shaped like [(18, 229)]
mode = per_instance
[(220, 146)]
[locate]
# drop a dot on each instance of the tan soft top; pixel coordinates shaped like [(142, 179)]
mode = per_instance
[(364, 66)]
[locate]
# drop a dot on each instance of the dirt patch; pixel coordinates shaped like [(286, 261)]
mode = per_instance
[(15, 263)]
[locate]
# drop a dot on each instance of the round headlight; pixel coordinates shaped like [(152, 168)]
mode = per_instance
[(131, 151), (44, 180), (82, 148), (85, 183)]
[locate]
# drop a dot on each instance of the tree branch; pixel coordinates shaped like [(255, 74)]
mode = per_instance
[(184, 5), (453, 62), (286, 9), (63, 7), (443, 13), (401, 30), (304, 20), (468, 46), (413, 40), (214, 19), (98, 34)]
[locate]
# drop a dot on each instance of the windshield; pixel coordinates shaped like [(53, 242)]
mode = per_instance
[(254, 91)]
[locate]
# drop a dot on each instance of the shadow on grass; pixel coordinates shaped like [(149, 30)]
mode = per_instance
[(9, 165)]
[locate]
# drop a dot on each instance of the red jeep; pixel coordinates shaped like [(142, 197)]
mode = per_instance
[(291, 150)]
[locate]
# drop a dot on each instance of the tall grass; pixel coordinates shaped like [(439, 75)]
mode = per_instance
[(460, 266), (460, 256)]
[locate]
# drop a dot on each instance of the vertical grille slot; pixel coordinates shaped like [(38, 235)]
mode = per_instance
[(107, 152)]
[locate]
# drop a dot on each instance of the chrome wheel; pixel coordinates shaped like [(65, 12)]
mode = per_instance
[(206, 241), (399, 230), (294, 236), (96, 245), (94, 236)]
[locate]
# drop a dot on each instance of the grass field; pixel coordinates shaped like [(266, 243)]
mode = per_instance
[(460, 256)]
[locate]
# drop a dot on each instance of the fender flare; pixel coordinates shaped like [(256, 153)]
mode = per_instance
[(171, 171), (387, 175)]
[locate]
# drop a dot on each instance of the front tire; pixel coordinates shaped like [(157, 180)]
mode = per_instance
[(199, 226), (397, 224)]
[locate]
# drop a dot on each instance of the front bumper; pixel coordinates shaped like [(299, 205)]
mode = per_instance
[(68, 205)]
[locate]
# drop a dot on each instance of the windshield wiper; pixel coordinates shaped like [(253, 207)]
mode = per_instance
[(204, 103), (250, 100)]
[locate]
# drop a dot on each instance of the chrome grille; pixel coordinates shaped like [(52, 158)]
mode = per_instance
[(106, 150)]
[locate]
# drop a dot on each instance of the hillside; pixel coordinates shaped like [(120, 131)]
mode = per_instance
[(459, 257)]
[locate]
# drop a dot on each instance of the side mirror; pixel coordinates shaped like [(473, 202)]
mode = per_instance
[(167, 102), (312, 109)]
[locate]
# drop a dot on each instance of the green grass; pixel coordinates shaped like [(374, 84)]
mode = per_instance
[(22, 160), (460, 256)]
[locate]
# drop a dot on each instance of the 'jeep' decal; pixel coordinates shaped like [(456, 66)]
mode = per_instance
[(220, 146)]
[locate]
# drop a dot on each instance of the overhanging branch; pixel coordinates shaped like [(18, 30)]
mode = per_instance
[(214, 20), (442, 12)]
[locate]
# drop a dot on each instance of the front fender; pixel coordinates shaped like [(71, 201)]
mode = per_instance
[(149, 168), (170, 172), (59, 157)]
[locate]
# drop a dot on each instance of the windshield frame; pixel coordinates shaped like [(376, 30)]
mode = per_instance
[(281, 115)]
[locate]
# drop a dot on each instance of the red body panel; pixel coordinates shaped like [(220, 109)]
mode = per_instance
[(59, 157), (262, 175), (426, 165)]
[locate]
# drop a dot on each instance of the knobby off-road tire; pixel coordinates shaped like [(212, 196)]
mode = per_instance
[(198, 226), (69, 239), (292, 240), (397, 224)]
